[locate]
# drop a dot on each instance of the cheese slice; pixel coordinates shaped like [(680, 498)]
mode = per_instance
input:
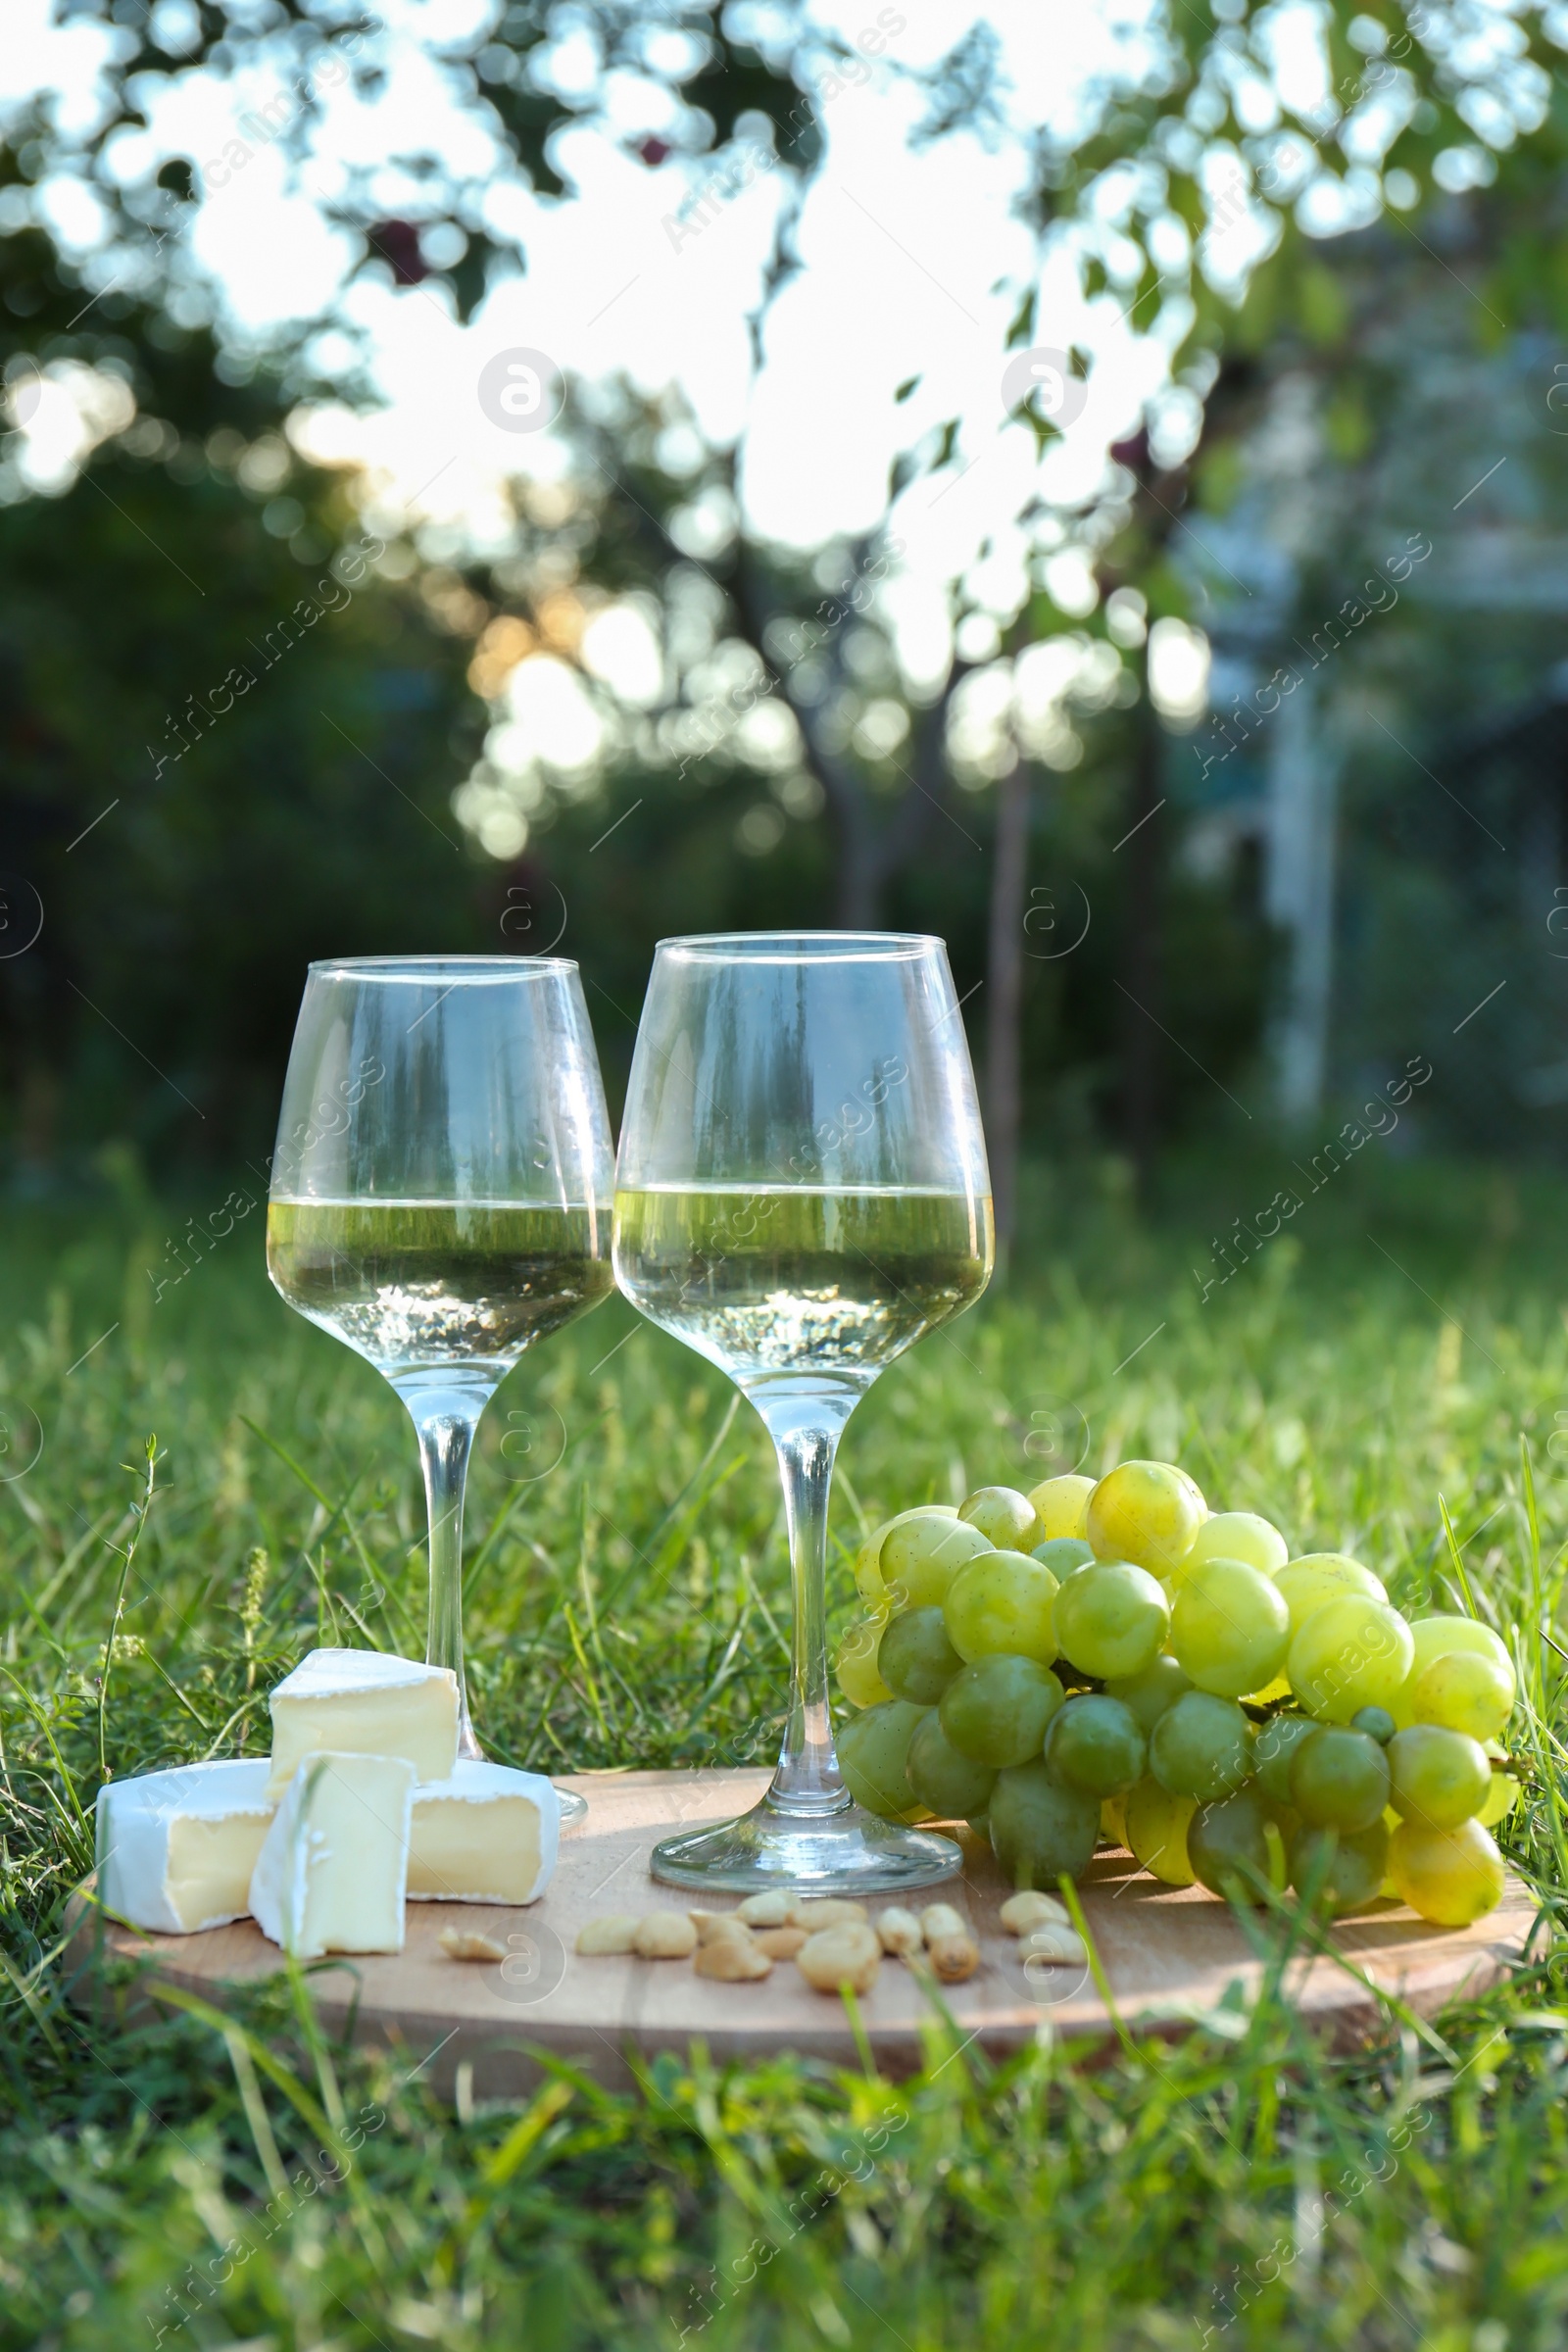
[(175, 1849), (364, 1702), (332, 1868), (488, 1834)]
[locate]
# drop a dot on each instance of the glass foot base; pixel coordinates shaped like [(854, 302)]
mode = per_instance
[(852, 1853)]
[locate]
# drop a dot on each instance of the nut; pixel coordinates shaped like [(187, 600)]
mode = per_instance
[(901, 1932), (818, 1911), (954, 1957), (772, 1910), (616, 1933), (779, 1944), (732, 1959), (712, 1927), (463, 1943), (664, 1935), (848, 1956), (1022, 1912), (940, 1920), (1053, 1942)]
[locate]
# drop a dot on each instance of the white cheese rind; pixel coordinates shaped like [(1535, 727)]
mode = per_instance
[(349, 1673), (177, 1848), (364, 1702), (487, 1835), (332, 1869)]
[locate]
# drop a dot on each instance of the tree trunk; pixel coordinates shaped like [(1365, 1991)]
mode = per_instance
[(1298, 897), (872, 846), (857, 895), (1005, 999), (1143, 846)]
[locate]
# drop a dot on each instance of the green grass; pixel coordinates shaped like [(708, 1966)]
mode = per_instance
[(628, 1606)]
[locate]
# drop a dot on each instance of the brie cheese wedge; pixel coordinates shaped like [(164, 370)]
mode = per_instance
[(487, 1835), (177, 1848), (332, 1869), (364, 1702)]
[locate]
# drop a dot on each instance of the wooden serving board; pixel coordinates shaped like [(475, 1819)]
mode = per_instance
[(1169, 1953)]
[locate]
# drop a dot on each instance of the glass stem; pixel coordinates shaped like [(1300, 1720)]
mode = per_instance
[(446, 1421), (808, 1779)]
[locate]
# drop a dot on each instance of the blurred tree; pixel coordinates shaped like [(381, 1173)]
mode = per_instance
[(222, 730), (1195, 190), (1409, 417), (1204, 198)]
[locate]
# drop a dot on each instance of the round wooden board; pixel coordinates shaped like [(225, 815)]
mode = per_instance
[(1169, 1954)]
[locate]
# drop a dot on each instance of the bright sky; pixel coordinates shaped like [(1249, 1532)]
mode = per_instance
[(911, 265), (911, 258)]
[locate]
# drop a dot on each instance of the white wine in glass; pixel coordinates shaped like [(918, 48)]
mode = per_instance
[(440, 1198), (410, 1283), (844, 1279), (800, 1195)]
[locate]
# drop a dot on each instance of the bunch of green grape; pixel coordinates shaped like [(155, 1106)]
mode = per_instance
[(1111, 1661)]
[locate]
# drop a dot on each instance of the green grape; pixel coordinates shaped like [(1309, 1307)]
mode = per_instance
[(1235, 1844), (1377, 1723), (1436, 1638), (1112, 1819), (856, 1665), (1041, 1829), (1202, 1747), (1004, 1516), (915, 1657), (1352, 1652), (1238, 1535), (867, 1568), (1150, 1694), (1452, 1877), (1504, 1793), (1095, 1743), (1270, 1694), (868, 1560), (1340, 1780), (1064, 1555), (1112, 1619), (1437, 1778), (1319, 1577), (873, 1753), (1156, 1832), (1277, 1742), (1145, 1513), (1001, 1601), (923, 1553), (1229, 1627), (1464, 1691), (954, 1788), (1060, 1503), (1342, 1869), (996, 1711)]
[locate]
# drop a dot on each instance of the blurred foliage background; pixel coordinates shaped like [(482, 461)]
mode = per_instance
[(254, 710)]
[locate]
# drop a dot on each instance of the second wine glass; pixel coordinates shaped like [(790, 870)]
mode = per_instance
[(440, 1198), (802, 1194)]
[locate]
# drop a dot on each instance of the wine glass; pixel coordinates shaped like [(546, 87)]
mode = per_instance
[(440, 1198), (800, 1195)]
